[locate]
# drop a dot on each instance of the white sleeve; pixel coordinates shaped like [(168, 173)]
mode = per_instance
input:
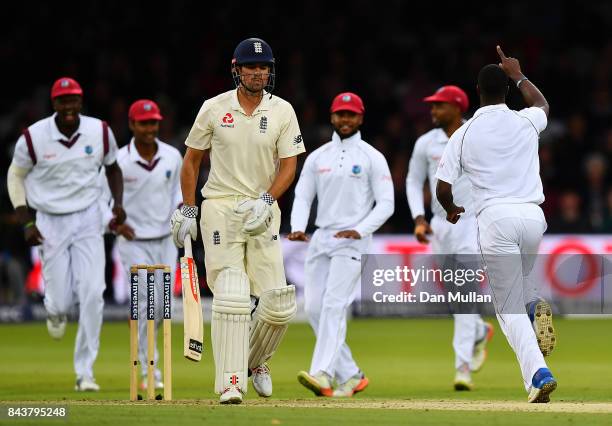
[(449, 168), (21, 157), (111, 155), (536, 116), (384, 196), (15, 182), (176, 183), (105, 201), (417, 174), (305, 191)]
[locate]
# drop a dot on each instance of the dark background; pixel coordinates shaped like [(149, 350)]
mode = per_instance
[(391, 53)]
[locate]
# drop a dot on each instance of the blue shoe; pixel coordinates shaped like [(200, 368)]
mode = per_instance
[(542, 385), (540, 315)]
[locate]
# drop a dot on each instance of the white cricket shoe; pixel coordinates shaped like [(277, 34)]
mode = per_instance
[(144, 383), (231, 395), (479, 355), (86, 384), (320, 383), (56, 325), (262, 380), (353, 385), (463, 379)]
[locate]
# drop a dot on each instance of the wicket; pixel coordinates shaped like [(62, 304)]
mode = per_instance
[(167, 317)]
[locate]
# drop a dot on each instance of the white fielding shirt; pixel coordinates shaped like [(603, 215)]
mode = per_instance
[(348, 176), (498, 150), (151, 190), (426, 155), (64, 177)]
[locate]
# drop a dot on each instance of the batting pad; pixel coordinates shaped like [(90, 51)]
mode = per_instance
[(275, 310), (231, 313)]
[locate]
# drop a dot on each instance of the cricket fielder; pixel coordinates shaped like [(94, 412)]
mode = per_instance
[(449, 242), (498, 151), (348, 176), (254, 139), (55, 170), (151, 170)]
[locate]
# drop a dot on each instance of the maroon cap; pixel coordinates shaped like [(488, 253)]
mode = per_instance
[(452, 95), (65, 86), (347, 101), (144, 109)]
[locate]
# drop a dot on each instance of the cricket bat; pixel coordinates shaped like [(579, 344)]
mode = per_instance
[(193, 323)]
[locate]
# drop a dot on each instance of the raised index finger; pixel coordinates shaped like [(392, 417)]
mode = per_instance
[(500, 52)]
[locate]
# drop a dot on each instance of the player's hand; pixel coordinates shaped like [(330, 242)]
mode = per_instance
[(511, 66), (422, 229), (298, 236), (351, 234), (258, 214), (119, 214), (126, 231), (32, 235), (182, 223), (454, 214)]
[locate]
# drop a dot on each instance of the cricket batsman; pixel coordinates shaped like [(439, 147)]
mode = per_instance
[(253, 139)]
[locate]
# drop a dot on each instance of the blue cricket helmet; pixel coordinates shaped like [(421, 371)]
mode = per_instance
[(253, 51)]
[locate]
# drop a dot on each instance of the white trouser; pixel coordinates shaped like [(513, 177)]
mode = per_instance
[(460, 239), (332, 273), (151, 252), (72, 256), (509, 236)]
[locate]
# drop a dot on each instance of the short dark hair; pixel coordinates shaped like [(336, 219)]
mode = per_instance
[(492, 81)]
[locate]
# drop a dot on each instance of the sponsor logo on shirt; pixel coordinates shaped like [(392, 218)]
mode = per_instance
[(129, 179), (227, 120), (436, 157), (49, 156), (168, 174), (263, 124), (356, 169), (88, 149), (297, 140), (322, 170), (216, 238)]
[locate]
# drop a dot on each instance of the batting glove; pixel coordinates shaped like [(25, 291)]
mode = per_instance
[(260, 216), (182, 223)]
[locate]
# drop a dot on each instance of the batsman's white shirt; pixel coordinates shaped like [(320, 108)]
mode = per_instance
[(347, 176), (244, 149), (151, 190), (424, 161), (498, 149), (64, 178)]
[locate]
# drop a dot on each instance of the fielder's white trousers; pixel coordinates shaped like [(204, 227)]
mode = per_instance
[(460, 239), (509, 237), (152, 252), (72, 256), (332, 274)]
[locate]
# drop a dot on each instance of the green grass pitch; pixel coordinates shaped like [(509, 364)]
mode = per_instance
[(406, 360)]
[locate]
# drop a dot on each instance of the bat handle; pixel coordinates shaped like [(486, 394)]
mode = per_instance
[(188, 252)]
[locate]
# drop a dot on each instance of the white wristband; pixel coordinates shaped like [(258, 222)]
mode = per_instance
[(520, 80)]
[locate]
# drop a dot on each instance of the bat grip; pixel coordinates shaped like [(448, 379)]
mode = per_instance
[(188, 252)]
